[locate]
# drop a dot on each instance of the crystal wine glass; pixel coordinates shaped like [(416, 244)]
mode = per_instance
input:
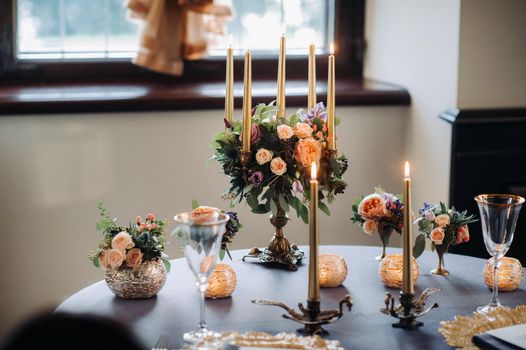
[(498, 215), (201, 241)]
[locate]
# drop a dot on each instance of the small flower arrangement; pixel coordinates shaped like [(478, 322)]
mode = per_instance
[(444, 227), (283, 150), (129, 246), (378, 211)]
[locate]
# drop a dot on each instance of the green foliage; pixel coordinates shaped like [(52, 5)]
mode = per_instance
[(420, 245)]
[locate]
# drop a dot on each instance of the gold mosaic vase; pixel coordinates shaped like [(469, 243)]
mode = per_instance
[(510, 277), (332, 270), (390, 270), (142, 282), (222, 282)]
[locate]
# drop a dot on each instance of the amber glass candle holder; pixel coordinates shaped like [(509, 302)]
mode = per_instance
[(390, 270), (333, 270), (222, 282), (510, 277)]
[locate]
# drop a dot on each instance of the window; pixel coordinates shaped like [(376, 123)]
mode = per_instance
[(99, 29), (53, 48)]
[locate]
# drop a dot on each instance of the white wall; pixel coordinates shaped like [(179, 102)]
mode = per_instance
[(415, 43), (55, 168), (492, 61)]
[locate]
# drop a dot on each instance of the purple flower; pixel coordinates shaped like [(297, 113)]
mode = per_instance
[(427, 207), (255, 133), (256, 178), (297, 186), (318, 111)]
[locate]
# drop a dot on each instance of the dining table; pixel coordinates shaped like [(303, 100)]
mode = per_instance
[(175, 309)]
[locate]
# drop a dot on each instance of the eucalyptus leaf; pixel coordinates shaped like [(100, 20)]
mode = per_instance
[(273, 207), (96, 262), (304, 214), (420, 245), (195, 204), (167, 264), (324, 208), (283, 202), (221, 254)]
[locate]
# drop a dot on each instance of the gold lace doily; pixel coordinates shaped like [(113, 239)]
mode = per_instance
[(458, 333), (265, 340)]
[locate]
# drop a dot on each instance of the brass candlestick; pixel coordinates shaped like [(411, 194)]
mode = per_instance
[(409, 309), (311, 316)]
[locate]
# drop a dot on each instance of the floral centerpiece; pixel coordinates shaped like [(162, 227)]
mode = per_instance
[(132, 256), (444, 227), (276, 178), (380, 212)]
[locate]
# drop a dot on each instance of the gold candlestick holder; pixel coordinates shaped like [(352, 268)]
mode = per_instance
[(279, 250), (311, 317), (409, 309)]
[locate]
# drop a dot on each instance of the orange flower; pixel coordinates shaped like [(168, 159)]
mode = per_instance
[(103, 259), (134, 258), (372, 206), (278, 166), (308, 151), (115, 258), (437, 236), (302, 130), (204, 214), (122, 241)]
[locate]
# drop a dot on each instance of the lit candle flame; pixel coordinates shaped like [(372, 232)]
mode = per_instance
[(313, 171), (331, 49), (406, 169)]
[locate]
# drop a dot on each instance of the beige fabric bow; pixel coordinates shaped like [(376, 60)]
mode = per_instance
[(175, 30)]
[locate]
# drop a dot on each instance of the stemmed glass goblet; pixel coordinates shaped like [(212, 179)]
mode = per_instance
[(201, 240), (498, 216)]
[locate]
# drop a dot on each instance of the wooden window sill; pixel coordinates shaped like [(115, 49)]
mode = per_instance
[(148, 96)]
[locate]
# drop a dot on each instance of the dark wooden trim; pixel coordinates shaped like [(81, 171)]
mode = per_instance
[(489, 115), (140, 96)]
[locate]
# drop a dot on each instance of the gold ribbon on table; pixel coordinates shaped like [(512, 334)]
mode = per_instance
[(175, 30)]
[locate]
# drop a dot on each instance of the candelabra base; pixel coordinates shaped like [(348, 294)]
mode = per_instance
[(409, 309), (311, 317), (291, 257)]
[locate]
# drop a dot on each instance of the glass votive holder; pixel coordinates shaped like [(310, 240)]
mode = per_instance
[(333, 270), (511, 274), (390, 270), (222, 282)]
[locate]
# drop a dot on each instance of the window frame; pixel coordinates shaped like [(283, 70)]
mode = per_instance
[(348, 36)]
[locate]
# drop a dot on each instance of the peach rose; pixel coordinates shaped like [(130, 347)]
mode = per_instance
[(442, 220), (285, 132), (278, 166), (307, 151), (103, 259), (134, 258), (122, 241), (263, 156), (115, 257), (437, 236), (372, 206), (150, 217), (302, 130), (204, 214), (138, 220), (370, 227)]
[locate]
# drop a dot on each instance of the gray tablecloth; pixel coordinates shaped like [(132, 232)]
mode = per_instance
[(176, 308)]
